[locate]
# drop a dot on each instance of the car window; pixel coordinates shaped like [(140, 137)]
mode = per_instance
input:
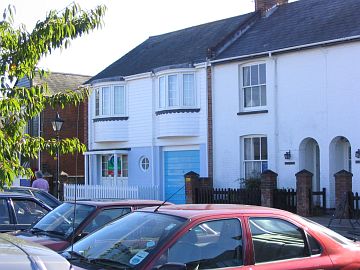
[(315, 247), (275, 239), (4, 212), (64, 219), (28, 211), (209, 245), (46, 198), (105, 216)]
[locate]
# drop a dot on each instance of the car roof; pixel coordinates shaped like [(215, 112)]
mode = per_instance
[(205, 210), (14, 195), (107, 202)]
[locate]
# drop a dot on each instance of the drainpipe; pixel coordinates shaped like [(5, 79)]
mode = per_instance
[(153, 78), (276, 113)]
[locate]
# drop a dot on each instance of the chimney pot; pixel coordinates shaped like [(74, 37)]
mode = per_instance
[(264, 5)]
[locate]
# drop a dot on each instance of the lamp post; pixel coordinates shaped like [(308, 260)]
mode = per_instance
[(57, 125)]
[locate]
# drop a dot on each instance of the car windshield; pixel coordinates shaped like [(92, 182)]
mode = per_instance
[(125, 243), (60, 221)]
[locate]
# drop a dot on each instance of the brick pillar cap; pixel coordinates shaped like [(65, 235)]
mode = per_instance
[(269, 172), (304, 172), (191, 173), (343, 173)]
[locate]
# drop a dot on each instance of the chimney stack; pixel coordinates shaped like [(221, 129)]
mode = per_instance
[(265, 5)]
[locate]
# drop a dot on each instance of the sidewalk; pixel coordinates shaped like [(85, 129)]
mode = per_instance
[(347, 227)]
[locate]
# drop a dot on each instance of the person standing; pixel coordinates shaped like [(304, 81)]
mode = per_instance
[(40, 182)]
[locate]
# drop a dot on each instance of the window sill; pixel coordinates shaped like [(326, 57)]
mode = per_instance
[(111, 118), (252, 112), (168, 111)]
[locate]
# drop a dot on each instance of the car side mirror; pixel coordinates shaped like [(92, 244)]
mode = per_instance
[(172, 266)]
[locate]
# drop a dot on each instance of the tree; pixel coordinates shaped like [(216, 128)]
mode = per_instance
[(20, 52)]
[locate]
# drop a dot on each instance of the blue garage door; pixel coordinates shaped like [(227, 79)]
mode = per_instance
[(177, 163)]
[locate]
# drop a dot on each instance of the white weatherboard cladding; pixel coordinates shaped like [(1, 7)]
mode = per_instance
[(317, 97), (110, 131), (178, 124), (140, 112)]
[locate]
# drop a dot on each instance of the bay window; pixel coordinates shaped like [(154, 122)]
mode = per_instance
[(253, 88), (177, 91), (110, 101), (255, 156)]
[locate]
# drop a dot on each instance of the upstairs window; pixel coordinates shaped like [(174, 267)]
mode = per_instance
[(177, 91), (110, 101), (253, 88)]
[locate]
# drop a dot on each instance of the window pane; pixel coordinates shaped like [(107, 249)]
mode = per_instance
[(262, 71), (119, 100), (247, 97), (28, 211), (4, 217), (248, 169), (276, 239), (125, 165), (255, 96), (256, 147), (264, 155), (161, 92), (247, 148), (119, 167), (172, 90), (210, 245), (189, 90), (97, 102), (246, 76), (106, 100), (315, 247), (263, 95), (254, 75)]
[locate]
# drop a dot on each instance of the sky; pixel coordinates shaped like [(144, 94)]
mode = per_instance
[(127, 24)]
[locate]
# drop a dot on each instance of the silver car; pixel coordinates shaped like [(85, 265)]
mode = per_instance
[(17, 254)]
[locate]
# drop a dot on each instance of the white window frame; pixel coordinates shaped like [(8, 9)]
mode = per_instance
[(163, 102), (144, 163), (253, 160), (121, 160), (242, 87), (111, 101)]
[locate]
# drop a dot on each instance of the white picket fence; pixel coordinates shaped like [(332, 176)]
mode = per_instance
[(90, 192)]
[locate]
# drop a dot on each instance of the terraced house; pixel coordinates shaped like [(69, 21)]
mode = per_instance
[(273, 89)]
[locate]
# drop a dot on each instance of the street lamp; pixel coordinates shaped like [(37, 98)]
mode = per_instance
[(57, 125)]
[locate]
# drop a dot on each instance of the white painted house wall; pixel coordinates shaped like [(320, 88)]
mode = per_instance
[(310, 94), (144, 131)]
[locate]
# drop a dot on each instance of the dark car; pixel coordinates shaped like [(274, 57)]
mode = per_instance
[(195, 237), (20, 211), (40, 194), (61, 226)]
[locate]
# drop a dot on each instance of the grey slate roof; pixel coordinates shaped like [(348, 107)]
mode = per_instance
[(180, 47), (299, 23), (59, 82)]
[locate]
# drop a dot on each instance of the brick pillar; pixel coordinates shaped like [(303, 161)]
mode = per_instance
[(191, 183), (268, 185), (343, 185), (303, 185), (209, 124)]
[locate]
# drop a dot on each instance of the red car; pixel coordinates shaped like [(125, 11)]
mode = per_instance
[(59, 227), (194, 237)]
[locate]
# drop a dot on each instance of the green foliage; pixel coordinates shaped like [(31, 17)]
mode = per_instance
[(20, 52), (252, 182)]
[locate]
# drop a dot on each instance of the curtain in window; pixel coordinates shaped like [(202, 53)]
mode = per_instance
[(189, 90), (119, 100), (172, 90), (106, 100), (161, 92)]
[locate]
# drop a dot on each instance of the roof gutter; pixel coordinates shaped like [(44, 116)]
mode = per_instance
[(289, 49)]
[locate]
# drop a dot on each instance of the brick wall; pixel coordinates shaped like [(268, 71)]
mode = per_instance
[(69, 130)]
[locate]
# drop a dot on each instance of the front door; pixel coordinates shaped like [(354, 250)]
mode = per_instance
[(176, 164)]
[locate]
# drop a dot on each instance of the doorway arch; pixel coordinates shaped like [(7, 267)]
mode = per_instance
[(309, 159)]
